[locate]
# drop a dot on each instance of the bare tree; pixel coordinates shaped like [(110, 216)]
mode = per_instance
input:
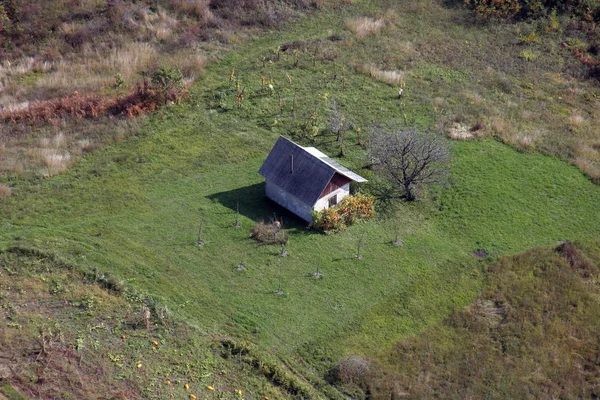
[(337, 119), (409, 158)]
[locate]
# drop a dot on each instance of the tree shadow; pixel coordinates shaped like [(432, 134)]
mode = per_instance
[(254, 205)]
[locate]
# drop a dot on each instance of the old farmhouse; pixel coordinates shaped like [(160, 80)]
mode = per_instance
[(303, 179)]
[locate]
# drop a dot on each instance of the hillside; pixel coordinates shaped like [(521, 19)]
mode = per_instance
[(134, 209)]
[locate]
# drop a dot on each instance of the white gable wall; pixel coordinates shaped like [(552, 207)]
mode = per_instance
[(323, 202)]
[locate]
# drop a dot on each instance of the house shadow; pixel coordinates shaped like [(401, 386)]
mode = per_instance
[(254, 205)]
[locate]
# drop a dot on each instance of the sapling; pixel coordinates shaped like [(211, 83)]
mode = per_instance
[(242, 266), (237, 224), (146, 316), (280, 289), (200, 242), (283, 252), (397, 240), (317, 274), (360, 244)]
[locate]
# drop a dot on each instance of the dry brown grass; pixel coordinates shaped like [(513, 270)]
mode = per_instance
[(365, 26), (55, 148), (588, 167), (391, 77), (199, 9), (97, 69), (53, 160), (576, 120), (272, 233), (5, 191), (473, 98), (502, 127), (587, 151), (459, 131)]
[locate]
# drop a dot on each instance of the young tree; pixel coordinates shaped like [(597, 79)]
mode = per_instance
[(408, 157), (169, 82)]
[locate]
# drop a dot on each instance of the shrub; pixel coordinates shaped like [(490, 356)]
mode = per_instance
[(272, 233), (351, 370), (350, 210), (168, 81), (495, 8), (528, 55), (5, 191)]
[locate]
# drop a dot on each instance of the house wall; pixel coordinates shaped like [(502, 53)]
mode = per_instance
[(291, 202), (336, 182), (323, 202)]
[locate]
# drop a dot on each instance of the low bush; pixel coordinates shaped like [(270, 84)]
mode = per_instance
[(5, 191), (272, 233), (350, 210), (585, 9), (351, 370)]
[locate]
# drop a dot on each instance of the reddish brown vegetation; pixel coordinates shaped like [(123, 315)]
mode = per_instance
[(141, 100)]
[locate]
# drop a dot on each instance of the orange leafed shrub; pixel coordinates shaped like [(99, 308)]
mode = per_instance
[(350, 210)]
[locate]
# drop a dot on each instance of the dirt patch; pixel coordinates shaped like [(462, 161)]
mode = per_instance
[(480, 253)]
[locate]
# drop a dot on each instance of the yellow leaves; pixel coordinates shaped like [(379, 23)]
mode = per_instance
[(186, 386), (123, 337), (139, 365), (155, 343), (348, 211), (193, 396), (210, 387)]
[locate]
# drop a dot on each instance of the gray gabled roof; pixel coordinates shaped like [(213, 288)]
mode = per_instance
[(312, 170)]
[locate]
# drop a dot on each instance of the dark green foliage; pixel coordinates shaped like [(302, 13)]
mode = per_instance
[(588, 9), (168, 81)]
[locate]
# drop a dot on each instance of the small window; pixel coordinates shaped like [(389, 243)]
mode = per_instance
[(333, 200)]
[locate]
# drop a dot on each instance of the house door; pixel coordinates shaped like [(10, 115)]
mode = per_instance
[(333, 200)]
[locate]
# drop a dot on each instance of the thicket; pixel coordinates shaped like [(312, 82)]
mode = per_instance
[(588, 10)]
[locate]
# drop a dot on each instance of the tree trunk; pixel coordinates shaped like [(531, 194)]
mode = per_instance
[(409, 193)]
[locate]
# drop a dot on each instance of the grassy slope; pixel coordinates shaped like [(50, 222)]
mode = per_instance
[(135, 209), (67, 336), (532, 333)]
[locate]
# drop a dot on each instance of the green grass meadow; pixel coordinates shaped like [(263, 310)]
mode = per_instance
[(136, 207)]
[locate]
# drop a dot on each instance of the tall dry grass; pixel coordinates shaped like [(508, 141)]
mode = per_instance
[(393, 77), (365, 26), (98, 68)]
